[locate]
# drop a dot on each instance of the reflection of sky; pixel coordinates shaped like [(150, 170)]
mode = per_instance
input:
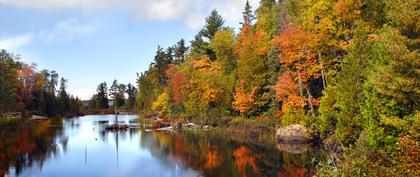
[(101, 156)]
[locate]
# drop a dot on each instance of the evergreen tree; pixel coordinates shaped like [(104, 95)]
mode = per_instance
[(120, 97), (201, 42), (181, 50), (214, 23), (63, 97), (8, 82), (248, 14), (132, 94), (102, 96)]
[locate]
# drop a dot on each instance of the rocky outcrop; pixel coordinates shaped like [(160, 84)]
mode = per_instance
[(294, 134)]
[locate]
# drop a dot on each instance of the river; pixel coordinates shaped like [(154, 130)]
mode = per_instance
[(80, 147)]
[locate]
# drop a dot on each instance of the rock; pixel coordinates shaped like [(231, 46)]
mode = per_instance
[(293, 133)]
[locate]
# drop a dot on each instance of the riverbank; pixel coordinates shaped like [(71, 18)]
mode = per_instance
[(109, 111), (239, 124), (253, 128)]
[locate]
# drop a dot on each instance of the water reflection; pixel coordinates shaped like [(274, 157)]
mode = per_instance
[(81, 147), (23, 145)]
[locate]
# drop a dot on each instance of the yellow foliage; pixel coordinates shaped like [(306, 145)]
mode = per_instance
[(161, 104)]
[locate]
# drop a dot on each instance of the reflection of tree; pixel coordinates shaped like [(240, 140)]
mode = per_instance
[(24, 144), (212, 161), (244, 158), (293, 171), (221, 154), (295, 165)]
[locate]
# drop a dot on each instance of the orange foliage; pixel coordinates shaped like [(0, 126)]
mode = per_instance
[(212, 160), (243, 100), (179, 147), (348, 9), (28, 78), (297, 51), (244, 158), (410, 155), (299, 58), (243, 39), (287, 92)]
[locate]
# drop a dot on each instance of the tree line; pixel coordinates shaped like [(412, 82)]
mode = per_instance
[(124, 96), (25, 89), (348, 70)]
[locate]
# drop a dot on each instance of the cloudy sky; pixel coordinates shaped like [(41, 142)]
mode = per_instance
[(90, 41)]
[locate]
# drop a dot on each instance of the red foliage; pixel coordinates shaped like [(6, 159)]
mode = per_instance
[(178, 83)]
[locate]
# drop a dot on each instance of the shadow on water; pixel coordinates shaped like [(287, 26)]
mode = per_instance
[(81, 147)]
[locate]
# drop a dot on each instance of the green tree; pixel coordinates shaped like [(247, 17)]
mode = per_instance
[(248, 14), (214, 23), (181, 50), (116, 91), (8, 82), (63, 98), (102, 96), (132, 94), (201, 43)]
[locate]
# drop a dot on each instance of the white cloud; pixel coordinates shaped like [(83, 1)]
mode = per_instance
[(192, 12), (63, 31), (17, 41), (68, 30), (162, 9), (195, 21)]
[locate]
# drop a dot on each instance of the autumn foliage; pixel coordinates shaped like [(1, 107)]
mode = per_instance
[(244, 159), (243, 99)]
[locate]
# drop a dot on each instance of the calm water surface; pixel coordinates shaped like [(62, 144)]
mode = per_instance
[(80, 147)]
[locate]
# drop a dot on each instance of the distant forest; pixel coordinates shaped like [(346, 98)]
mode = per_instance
[(26, 90)]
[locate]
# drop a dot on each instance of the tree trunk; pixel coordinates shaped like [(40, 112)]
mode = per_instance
[(324, 79), (310, 101)]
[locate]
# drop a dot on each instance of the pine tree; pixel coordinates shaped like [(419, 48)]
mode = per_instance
[(63, 97), (181, 50), (132, 94), (214, 23), (102, 95), (201, 43), (248, 14)]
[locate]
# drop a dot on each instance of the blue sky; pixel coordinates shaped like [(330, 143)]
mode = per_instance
[(90, 41)]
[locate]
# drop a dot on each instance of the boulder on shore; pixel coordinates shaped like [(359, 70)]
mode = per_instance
[(294, 134)]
